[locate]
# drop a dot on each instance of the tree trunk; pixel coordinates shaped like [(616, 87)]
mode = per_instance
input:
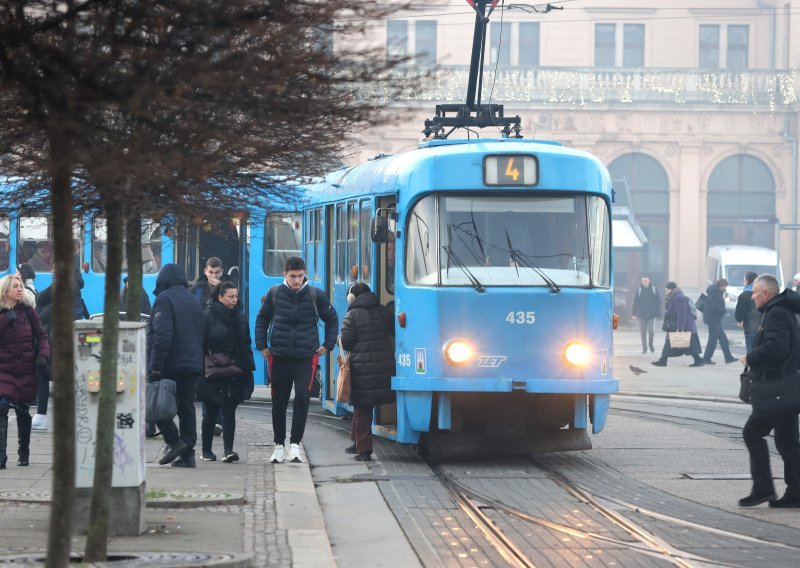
[(133, 246), (96, 548), (63, 356)]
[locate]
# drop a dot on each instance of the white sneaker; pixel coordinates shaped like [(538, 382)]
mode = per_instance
[(294, 453), (279, 455), (39, 422)]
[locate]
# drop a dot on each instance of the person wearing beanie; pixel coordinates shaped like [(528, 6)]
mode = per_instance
[(678, 317), (368, 335)]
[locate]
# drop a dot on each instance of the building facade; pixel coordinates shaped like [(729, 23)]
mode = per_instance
[(693, 107)]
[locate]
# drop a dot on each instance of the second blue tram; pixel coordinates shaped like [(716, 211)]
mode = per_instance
[(495, 256)]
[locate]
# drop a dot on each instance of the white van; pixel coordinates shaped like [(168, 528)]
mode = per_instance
[(731, 262)]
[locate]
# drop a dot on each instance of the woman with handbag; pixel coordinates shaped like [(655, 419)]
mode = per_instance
[(23, 349), (229, 367), (682, 338), (368, 336)]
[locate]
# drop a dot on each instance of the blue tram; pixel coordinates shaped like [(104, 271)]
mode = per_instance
[(495, 255), (253, 250)]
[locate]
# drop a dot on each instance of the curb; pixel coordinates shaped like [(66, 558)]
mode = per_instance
[(682, 397), (166, 500), (136, 559)]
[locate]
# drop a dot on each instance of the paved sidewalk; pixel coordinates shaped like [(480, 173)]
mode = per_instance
[(253, 512), (713, 382)]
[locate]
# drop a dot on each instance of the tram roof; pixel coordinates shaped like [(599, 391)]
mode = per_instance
[(457, 164)]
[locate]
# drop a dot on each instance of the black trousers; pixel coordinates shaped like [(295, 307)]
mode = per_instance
[(42, 393), (24, 419), (716, 333), (285, 373), (185, 391), (787, 441), (228, 411)]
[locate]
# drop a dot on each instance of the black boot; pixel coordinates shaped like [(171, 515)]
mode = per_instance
[(3, 434), (24, 419)]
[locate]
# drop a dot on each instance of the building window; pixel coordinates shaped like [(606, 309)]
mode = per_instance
[(737, 47), (529, 44), (425, 42), (500, 47), (633, 45), (605, 54), (396, 39), (709, 47)]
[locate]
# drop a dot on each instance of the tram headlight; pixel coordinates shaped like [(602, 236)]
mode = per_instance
[(457, 351), (577, 353)]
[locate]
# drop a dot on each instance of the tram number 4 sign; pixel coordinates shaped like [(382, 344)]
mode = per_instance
[(513, 169)]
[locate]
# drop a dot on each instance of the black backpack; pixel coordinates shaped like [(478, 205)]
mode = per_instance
[(700, 304)]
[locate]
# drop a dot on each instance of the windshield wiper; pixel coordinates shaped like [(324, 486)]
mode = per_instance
[(518, 257), (457, 261)]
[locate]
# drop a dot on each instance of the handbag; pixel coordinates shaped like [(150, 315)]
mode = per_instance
[(221, 366), (680, 339), (161, 405), (776, 397), (343, 378), (745, 380)]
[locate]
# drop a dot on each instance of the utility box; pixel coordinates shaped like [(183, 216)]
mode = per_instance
[(128, 482)]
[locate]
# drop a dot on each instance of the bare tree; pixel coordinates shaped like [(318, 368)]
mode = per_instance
[(197, 108)]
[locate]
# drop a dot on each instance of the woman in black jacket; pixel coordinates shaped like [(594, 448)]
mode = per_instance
[(226, 331), (368, 334)]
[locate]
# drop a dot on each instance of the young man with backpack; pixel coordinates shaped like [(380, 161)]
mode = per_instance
[(288, 338)]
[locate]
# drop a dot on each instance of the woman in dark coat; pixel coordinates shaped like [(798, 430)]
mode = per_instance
[(226, 331), (23, 349), (368, 335), (678, 317)]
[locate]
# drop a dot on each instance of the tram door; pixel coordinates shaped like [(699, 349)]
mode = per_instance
[(227, 240), (383, 281), (330, 278)]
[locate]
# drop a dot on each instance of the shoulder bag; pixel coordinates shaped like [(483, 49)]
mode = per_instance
[(161, 405), (221, 366), (680, 339), (745, 380), (343, 378)]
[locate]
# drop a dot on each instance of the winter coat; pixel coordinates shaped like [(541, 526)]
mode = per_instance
[(145, 307), (44, 303), (746, 311), (775, 346), (678, 317), (647, 303), (175, 330), (368, 334), (19, 328), (290, 328), (714, 309), (202, 291), (678, 314), (226, 331)]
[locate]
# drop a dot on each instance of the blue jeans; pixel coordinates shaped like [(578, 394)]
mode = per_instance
[(748, 341)]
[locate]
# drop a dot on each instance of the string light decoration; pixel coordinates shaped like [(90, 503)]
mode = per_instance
[(581, 87)]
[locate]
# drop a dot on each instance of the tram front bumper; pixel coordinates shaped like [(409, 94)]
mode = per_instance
[(550, 386)]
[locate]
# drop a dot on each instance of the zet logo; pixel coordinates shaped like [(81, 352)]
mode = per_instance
[(491, 361)]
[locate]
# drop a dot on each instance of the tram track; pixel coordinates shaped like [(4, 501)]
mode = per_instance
[(491, 516)]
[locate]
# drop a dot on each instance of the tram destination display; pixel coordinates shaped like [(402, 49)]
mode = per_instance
[(512, 169)]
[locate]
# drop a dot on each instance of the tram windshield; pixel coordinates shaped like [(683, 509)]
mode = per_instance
[(532, 240)]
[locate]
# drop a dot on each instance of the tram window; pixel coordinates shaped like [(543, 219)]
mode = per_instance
[(341, 237), (508, 241), (352, 242), (5, 243), (282, 237), (186, 250), (151, 246), (599, 242), (310, 257), (366, 242), (35, 242), (318, 252)]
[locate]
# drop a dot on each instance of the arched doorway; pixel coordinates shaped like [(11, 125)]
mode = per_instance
[(741, 203), (648, 200)]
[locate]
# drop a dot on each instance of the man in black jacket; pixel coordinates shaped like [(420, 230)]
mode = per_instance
[(175, 351), (713, 312), (646, 308), (288, 338), (210, 279), (747, 315), (775, 353)]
